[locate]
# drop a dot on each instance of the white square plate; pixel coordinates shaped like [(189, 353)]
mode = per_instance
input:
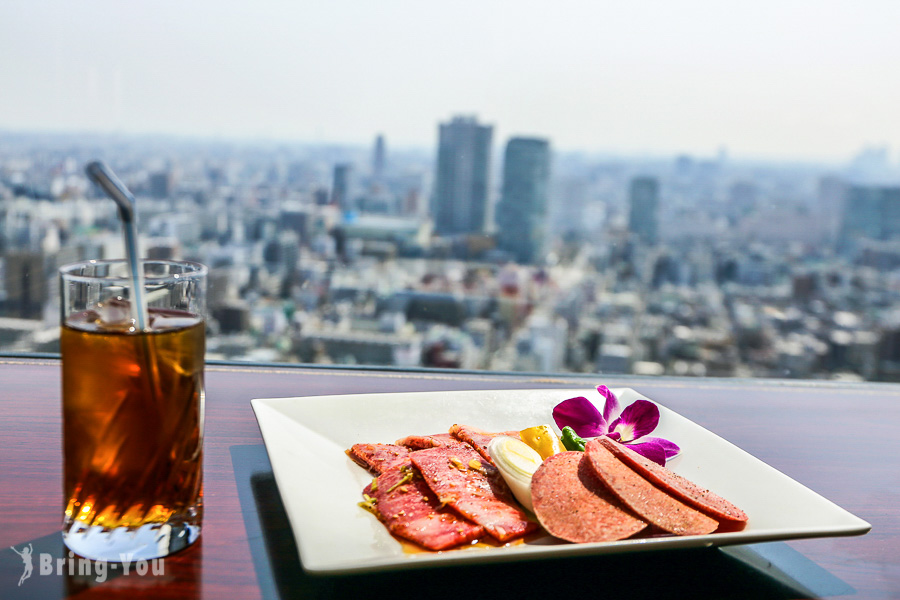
[(320, 486)]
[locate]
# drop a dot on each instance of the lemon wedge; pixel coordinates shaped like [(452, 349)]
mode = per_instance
[(517, 462), (543, 440)]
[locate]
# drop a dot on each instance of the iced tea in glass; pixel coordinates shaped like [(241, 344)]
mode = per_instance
[(133, 405)]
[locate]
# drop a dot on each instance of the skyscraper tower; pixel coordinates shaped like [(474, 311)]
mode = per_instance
[(378, 160), (340, 187), (460, 202), (643, 219), (26, 285), (522, 211), (870, 212)]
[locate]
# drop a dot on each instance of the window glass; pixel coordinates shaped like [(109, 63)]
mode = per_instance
[(656, 188)]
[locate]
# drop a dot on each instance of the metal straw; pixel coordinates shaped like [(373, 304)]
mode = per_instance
[(103, 176)]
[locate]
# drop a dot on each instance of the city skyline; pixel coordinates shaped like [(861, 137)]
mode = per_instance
[(748, 273), (763, 80)]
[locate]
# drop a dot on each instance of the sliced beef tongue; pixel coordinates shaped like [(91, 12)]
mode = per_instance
[(684, 489), (478, 438), (402, 500), (572, 503), (647, 501), (378, 458), (461, 478)]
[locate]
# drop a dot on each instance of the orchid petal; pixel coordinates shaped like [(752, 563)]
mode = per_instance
[(581, 415), (651, 450), (611, 404), (637, 420), (671, 448)]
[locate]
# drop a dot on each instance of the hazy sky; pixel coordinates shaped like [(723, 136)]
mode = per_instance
[(773, 78)]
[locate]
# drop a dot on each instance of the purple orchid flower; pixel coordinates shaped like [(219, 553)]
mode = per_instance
[(629, 426)]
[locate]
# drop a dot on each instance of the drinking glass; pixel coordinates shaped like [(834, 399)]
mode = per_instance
[(133, 405)]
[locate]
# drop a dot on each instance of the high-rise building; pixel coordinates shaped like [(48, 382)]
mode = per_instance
[(26, 286), (460, 202), (521, 214), (160, 184), (870, 212), (379, 157), (743, 197), (643, 218), (831, 193), (340, 187)]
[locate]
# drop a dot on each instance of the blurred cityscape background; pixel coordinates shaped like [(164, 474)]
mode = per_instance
[(480, 253), (690, 188)]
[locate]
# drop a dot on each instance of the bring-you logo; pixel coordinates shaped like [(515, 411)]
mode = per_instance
[(73, 565)]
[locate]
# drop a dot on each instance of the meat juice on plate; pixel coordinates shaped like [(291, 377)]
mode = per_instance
[(132, 412)]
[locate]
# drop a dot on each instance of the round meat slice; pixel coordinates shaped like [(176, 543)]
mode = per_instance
[(645, 499), (572, 503), (682, 488)]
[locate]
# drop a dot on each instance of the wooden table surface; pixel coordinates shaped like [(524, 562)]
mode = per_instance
[(841, 440)]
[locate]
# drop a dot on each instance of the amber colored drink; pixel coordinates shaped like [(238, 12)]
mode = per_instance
[(133, 425)]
